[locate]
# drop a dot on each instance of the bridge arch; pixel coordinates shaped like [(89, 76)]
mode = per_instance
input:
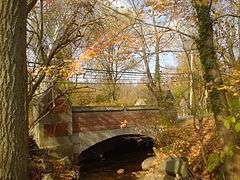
[(83, 141), (116, 146), (93, 126)]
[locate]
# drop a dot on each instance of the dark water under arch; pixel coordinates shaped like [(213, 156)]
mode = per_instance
[(102, 160)]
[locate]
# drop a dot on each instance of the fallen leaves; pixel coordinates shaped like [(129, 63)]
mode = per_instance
[(186, 142)]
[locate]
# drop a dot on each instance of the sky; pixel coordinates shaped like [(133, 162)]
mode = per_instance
[(167, 60)]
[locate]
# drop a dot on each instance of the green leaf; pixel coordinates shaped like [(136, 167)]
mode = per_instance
[(227, 124), (214, 161), (228, 150), (231, 119), (222, 156), (237, 127), (235, 104)]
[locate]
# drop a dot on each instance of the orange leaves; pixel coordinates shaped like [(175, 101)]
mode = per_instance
[(88, 54), (49, 1), (63, 70), (103, 43), (183, 140), (71, 67)]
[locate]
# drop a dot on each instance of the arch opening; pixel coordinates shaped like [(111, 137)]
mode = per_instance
[(117, 151)]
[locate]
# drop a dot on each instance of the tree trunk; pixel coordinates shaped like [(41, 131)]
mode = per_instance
[(13, 80), (213, 79), (209, 62), (167, 109)]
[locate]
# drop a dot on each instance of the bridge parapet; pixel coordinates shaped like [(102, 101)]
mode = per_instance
[(82, 127), (93, 125)]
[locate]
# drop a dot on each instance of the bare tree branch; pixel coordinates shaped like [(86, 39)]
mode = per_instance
[(31, 4)]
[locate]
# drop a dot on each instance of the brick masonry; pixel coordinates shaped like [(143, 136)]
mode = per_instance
[(58, 129), (96, 121), (99, 121)]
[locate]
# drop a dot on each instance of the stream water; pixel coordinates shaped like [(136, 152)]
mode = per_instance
[(111, 170), (119, 163)]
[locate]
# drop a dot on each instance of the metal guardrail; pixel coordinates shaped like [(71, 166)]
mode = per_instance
[(79, 109)]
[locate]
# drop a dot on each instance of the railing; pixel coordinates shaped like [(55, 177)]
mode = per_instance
[(79, 109)]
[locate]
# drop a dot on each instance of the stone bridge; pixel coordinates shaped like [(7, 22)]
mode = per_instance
[(82, 127)]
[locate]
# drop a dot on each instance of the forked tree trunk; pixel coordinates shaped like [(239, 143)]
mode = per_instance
[(13, 80)]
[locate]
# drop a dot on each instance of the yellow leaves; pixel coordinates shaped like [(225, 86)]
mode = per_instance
[(71, 68), (232, 82), (64, 70), (120, 171), (236, 94), (150, 3), (202, 2), (158, 4), (124, 124), (87, 55)]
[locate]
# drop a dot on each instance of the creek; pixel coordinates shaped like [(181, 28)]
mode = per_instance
[(117, 158)]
